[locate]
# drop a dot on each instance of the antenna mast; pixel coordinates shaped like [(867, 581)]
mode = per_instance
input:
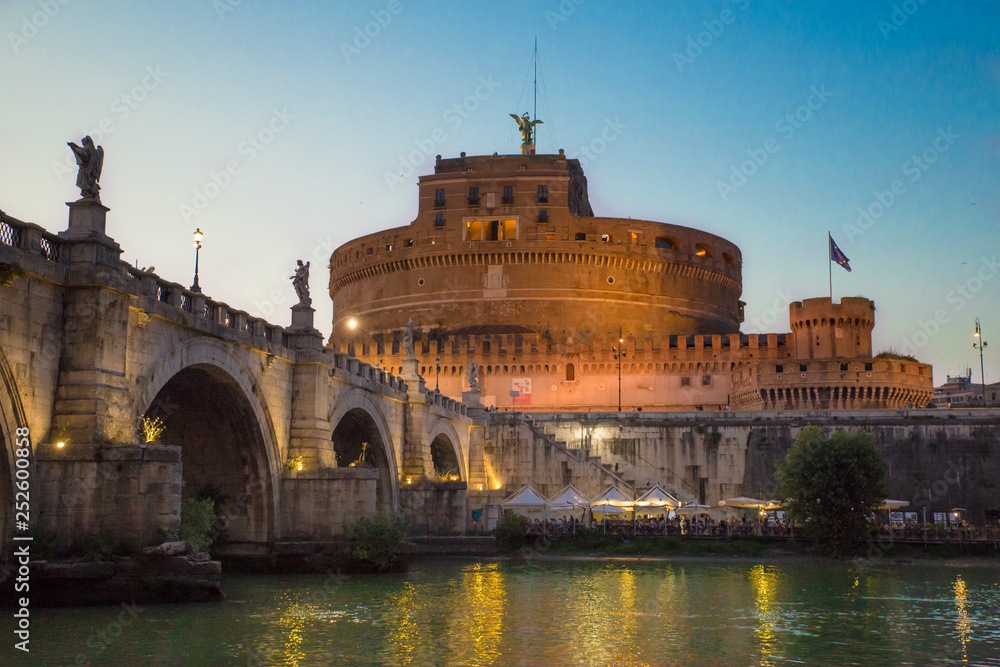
[(535, 115)]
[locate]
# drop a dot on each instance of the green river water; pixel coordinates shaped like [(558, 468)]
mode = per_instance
[(547, 612)]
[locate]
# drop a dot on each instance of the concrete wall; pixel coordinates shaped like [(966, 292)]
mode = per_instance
[(129, 492)]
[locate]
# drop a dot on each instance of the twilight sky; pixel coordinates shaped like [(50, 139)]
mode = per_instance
[(768, 123)]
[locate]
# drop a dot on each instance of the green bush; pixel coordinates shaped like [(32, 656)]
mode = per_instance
[(197, 519), (511, 532), (377, 542)]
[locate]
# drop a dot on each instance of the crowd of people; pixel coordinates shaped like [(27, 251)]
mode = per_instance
[(703, 525)]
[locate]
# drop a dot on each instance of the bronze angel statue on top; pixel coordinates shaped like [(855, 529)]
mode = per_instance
[(90, 159), (526, 126)]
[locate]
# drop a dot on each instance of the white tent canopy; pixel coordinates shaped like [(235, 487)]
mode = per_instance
[(612, 496), (526, 502), (656, 500), (742, 502), (693, 508), (568, 500)]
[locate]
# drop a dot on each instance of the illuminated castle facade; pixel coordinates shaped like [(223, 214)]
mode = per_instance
[(506, 265)]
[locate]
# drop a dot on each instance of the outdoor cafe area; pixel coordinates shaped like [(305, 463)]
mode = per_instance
[(657, 512)]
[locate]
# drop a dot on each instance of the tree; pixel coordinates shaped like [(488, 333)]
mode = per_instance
[(833, 486)]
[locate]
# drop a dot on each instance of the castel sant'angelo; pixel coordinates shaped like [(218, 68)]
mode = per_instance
[(507, 266)]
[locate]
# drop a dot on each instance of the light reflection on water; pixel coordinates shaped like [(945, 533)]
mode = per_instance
[(558, 613)]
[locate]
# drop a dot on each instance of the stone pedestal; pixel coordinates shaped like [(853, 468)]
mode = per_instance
[(472, 399), (92, 255), (304, 334), (87, 217)]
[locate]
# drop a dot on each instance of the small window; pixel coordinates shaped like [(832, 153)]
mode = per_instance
[(580, 236), (728, 259), (706, 380), (605, 238), (369, 251), (779, 368), (633, 238), (439, 220), (543, 194), (570, 373), (665, 243), (473, 196), (803, 368), (843, 367), (703, 250), (408, 243), (685, 382), (508, 194), (486, 347), (388, 247), (439, 198), (868, 366), (543, 216)]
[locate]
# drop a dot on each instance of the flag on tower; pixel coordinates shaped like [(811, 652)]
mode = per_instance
[(837, 255)]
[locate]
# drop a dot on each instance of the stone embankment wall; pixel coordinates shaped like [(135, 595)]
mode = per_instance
[(940, 459), (113, 490)]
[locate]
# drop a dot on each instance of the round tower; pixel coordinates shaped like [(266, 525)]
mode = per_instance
[(826, 330)]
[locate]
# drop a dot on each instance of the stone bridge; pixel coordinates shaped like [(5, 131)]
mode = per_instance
[(290, 438)]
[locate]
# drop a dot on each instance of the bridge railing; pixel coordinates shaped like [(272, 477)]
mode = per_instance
[(145, 283), (29, 237), (442, 401), (355, 366)]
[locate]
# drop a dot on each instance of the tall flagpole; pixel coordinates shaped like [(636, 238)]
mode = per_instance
[(829, 261)]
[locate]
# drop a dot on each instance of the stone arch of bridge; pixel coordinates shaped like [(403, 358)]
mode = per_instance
[(355, 418), (446, 446), (12, 417), (210, 404)]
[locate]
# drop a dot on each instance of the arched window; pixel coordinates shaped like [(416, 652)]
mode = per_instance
[(570, 373)]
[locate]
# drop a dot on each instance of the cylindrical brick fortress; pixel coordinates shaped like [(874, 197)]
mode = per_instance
[(511, 241)]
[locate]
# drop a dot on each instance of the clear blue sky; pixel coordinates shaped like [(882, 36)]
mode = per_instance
[(688, 91)]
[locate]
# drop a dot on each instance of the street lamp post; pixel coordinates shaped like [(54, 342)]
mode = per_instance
[(195, 287), (619, 351), (437, 373), (980, 344)]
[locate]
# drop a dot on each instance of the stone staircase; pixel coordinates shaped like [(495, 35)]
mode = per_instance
[(583, 454), (579, 454)]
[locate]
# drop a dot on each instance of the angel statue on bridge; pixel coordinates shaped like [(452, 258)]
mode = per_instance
[(526, 126), (90, 159), (473, 376), (300, 281)]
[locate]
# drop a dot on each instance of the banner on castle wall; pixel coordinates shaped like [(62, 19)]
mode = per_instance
[(522, 385)]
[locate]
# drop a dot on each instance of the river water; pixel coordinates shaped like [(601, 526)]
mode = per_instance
[(548, 612)]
